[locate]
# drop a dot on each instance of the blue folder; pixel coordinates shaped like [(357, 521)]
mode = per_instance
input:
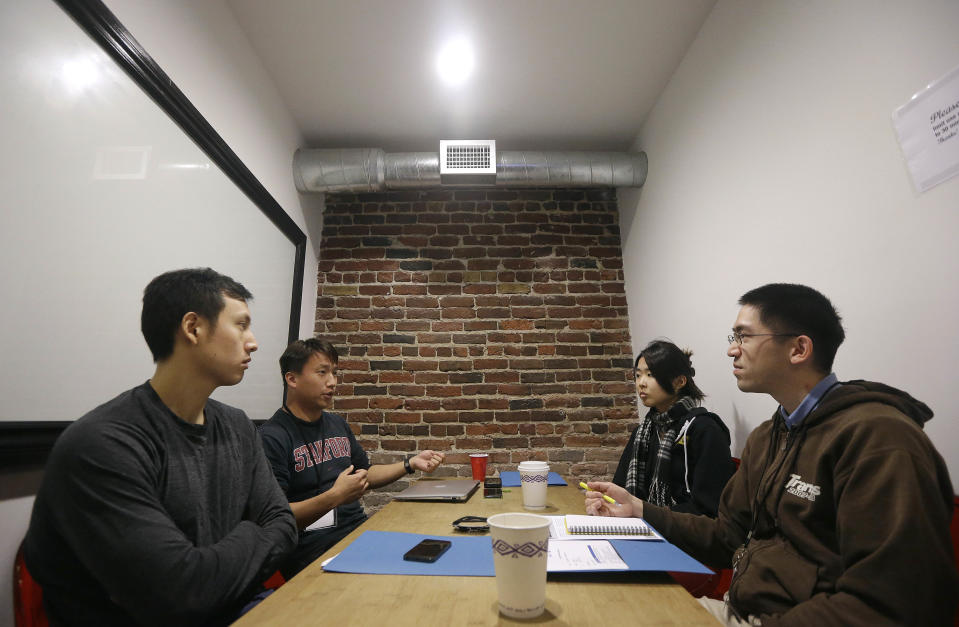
[(510, 479), (381, 553)]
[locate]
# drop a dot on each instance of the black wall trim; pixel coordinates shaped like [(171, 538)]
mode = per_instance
[(27, 441)]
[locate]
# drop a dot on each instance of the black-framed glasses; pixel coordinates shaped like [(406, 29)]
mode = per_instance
[(738, 337)]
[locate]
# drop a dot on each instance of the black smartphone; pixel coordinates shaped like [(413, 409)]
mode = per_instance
[(427, 551), (493, 488)]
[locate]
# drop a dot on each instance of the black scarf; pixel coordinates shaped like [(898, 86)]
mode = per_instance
[(670, 421)]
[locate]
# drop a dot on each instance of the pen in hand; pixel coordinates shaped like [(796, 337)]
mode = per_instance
[(606, 497)]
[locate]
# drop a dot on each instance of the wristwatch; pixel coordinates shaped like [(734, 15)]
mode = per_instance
[(406, 464)]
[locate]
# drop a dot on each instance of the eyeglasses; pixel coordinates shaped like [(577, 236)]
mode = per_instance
[(738, 337)]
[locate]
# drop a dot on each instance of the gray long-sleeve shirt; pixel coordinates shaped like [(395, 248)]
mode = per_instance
[(144, 518)]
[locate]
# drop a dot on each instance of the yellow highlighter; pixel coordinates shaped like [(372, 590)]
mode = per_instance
[(606, 497)]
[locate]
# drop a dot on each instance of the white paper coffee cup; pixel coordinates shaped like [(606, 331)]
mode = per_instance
[(520, 548), (533, 477)]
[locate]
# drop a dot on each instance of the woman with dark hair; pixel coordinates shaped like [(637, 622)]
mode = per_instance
[(678, 457)]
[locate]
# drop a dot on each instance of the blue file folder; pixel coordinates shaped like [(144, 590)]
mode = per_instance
[(510, 479), (381, 553)]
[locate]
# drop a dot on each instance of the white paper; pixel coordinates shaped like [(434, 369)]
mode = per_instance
[(577, 555), (325, 522), (928, 130)]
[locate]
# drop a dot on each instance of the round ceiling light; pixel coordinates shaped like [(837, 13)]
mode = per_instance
[(455, 61)]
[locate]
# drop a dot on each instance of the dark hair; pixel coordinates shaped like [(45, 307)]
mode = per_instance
[(172, 295), (299, 352), (666, 361), (791, 308)]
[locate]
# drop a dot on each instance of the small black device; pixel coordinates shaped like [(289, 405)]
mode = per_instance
[(493, 488), (471, 524), (427, 551)]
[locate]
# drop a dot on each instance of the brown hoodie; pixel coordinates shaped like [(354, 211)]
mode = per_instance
[(849, 516)]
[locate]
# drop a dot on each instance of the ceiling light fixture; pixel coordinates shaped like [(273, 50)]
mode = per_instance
[(455, 61), (79, 74)]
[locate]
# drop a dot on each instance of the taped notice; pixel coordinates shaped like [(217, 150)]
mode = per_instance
[(928, 130)]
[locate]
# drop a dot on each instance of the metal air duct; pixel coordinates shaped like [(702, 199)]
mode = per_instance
[(372, 169)]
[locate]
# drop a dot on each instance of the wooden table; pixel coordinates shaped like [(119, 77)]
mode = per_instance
[(315, 597)]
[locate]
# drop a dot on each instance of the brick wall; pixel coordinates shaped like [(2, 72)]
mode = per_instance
[(483, 320)]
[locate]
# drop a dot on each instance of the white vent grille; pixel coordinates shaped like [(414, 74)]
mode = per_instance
[(468, 156)]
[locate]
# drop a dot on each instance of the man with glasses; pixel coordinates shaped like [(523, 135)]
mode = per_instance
[(840, 511)]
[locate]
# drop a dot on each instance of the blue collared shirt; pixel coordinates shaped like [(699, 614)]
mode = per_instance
[(809, 403)]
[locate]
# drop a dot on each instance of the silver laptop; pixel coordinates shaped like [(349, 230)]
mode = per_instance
[(453, 490)]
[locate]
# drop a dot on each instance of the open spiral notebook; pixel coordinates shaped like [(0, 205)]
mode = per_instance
[(580, 527)]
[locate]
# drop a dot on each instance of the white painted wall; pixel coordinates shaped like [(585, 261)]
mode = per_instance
[(772, 157), (201, 47), (203, 50)]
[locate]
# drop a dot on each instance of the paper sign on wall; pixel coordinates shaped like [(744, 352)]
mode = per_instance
[(928, 129)]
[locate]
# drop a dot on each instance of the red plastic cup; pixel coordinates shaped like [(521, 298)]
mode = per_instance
[(478, 461)]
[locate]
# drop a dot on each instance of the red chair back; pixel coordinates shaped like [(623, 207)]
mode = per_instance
[(27, 596), (275, 581), (713, 586)]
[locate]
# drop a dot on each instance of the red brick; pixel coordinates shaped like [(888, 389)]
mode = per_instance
[(440, 416), (417, 364), (506, 376), (527, 364), (458, 313), (490, 364), (406, 390), (480, 325), (395, 376), (388, 301), (409, 289), (422, 302), (444, 390), (474, 444), (352, 403), (544, 442), (429, 314), (422, 404), (517, 325), (343, 327), (535, 313), (476, 416), (459, 403), (447, 366), (398, 445), (358, 377), (479, 288), (431, 377)]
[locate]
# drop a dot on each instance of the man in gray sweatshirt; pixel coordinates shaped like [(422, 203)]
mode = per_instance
[(159, 507)]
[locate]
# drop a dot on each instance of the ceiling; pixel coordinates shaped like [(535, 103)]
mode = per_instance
[(549, 74)]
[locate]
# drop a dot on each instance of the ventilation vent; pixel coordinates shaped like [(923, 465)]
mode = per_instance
[(468, 156)]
